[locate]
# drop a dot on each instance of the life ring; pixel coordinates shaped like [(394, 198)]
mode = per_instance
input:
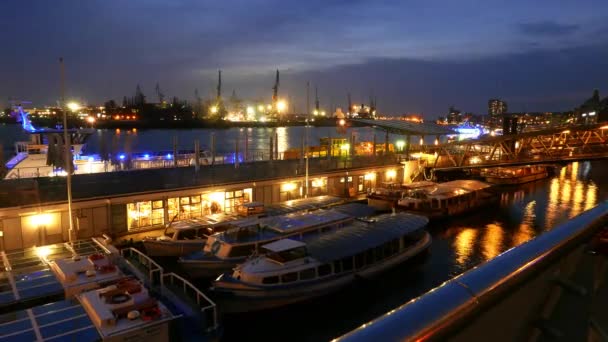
[(150, 314), (119, 298), (215, 247)]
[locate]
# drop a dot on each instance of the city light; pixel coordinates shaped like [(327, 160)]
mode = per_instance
[(315, 112), (91, 119), (342, 122), (260, 108), (288, 187), (250, 110), (400, 144), (169, 156), (391, 174), (281, 105), (73, 106), (345, 147), (370, 176)]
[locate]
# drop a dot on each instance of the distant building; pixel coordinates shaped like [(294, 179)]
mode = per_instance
[(497, 107), (454, 116)]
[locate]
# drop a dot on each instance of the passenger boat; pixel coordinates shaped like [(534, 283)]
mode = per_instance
[(291, 271), (515, 175), (445, 199), (186, 236), (385, 197), (223, 251)]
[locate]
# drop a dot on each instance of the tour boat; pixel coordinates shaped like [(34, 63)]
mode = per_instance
[(445, 199), (515, 175), (223, 251), (186, 236), (385, 197), (291, 271)]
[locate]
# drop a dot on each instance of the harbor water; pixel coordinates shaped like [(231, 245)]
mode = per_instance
[(459, 244)]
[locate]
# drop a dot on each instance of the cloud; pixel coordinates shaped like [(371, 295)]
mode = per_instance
[(547, 28)]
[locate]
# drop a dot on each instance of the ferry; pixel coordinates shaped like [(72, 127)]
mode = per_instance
[(515, 175), (223, 251), (446, 199), (385, 197), (186, 236), (291, 271)]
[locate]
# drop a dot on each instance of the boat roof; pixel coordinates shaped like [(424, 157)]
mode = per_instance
[(310, 203), (355, 209), (283, 245), (64, 321), (298, 221), (417, 185), (467, 184), (26, 275), (363, 235)]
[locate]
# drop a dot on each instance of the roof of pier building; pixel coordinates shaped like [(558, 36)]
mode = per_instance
[(407, 127)]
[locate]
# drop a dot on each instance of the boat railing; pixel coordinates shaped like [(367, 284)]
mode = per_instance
[(527, 292), (205, 304), (154, 270)]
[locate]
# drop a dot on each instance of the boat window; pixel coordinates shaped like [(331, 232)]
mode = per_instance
[(379, 252), (323, 270), (288, 255), (307, 274), (359, 260), (201, 233), (369, 256), (241, 251), (337, 266), (347, 264), (187, 234), (270, 280), (289, 277)]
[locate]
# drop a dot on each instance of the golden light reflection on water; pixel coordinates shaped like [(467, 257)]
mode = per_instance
[(282, 142), (464, 244), (492, 240), (569, 196), (525, 231)]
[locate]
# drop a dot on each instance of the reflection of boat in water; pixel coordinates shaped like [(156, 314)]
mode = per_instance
[(446, 199), (225, 250), (293, 271), (385, 197), (515, 175)]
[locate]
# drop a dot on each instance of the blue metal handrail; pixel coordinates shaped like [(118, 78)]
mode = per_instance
[(449, 307)]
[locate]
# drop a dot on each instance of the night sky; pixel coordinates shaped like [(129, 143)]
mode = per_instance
[(415, 56)]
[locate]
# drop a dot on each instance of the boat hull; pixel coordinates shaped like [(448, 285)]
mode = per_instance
[(157, 248), (516, 180), (381, 204), (240, 299), (454, 209), (199, 269)]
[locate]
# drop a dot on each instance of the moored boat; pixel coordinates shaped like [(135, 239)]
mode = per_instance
[(292, 271), (385, 197), (184, 237), (515, 175), (223, 251), (445, 199)]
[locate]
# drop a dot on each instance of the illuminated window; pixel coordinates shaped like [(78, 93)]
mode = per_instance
[(184, 207), (145, 214)]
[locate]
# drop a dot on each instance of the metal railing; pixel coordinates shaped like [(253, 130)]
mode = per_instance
[(152, 267), (205, 304), (511, 297)]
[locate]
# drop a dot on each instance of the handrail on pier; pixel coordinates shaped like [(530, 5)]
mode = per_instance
[(205, 303), (145, 260), (477, 301)]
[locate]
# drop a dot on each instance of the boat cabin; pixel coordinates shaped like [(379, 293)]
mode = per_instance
[(284, 251), (250, 209)]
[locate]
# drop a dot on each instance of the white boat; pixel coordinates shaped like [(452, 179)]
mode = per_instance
[(184, 237), (445, 199), (223, 251), (292, 271), (515, 175)]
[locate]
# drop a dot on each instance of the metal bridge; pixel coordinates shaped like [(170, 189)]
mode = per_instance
[(572, 143)]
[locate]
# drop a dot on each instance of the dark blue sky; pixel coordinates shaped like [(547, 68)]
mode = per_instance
[(415, 56)]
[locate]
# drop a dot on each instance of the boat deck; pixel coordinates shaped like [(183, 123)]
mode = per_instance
[(26, 275), (58, 321)]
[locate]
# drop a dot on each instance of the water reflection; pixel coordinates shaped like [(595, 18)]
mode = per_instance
[(525, 230), (492, 240), (464, 245)]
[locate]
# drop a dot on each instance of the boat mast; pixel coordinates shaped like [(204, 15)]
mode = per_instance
[(67, 155)]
